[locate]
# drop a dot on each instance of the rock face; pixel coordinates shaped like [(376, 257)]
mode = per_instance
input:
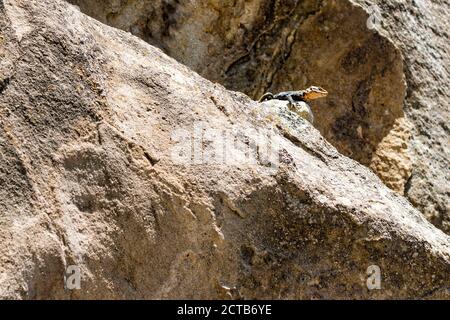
[(385, 64), (157, 183)]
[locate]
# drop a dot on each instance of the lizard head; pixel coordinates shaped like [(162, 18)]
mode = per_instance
[(314, 92)]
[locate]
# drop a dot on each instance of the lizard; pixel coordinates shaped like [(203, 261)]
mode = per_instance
[(292, 97), (307, 95)]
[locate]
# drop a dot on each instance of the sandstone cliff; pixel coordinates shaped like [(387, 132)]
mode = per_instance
[(387, 74), (109, 162)]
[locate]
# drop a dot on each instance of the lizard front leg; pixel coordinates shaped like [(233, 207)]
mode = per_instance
[(291, 103), (311, 114)]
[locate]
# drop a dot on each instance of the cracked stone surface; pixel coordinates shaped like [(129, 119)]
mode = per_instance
[(388, 82), (90, 176)]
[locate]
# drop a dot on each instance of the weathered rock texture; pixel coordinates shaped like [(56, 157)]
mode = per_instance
[(88, 177), (388, 83)]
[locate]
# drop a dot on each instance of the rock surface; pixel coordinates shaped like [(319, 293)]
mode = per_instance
[(112, 162), (387, 76)]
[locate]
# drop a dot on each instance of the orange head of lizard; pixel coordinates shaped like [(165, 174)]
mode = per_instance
[(314, 92)]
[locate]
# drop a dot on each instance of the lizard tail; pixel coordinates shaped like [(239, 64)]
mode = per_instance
[(266, 96)]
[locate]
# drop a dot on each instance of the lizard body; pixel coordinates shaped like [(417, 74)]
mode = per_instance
[(309, 94), (301, 97)]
